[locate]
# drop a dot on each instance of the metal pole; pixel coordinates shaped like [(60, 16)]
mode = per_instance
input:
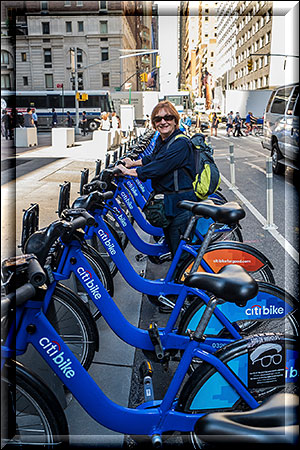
[(270, 205), (232, 167), (77, 131)]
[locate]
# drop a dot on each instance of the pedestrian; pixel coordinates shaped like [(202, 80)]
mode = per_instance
[(237, 121), (69, 120), (214, 124), (147, 122), (229, 124), (114, 121), (250, 121), (7, 125), (105, 126), (182, 125), (28, 119), (35, 117), (188, 123), (84, 123), (54, 118), (160, 166)]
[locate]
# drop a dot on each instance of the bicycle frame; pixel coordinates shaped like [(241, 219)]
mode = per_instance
[(154, 417)]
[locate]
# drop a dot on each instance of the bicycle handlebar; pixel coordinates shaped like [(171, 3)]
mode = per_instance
[(20, 296)]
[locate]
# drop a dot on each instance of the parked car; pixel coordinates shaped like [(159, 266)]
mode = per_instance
[(281, 127)]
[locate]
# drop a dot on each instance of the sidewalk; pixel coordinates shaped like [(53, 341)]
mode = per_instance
[(114, 363)]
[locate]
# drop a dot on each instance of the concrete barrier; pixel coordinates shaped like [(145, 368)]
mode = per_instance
[(63, 137), (103, 140), (25, 137)]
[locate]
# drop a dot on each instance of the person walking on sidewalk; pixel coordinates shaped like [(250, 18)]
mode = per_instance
[(171, 161), (28, 119), (214, 124), (35, 117), (69, 120), (54, 118), (7, 125), (84, 123), (237, 125), (229, 124)]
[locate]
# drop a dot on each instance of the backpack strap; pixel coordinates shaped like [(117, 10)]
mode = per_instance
[(176, 183)]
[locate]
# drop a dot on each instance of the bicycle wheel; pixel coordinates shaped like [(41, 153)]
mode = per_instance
[(32, 416), (268, 294), (74, 323), (104, 275), (265, 365), (264, 273)]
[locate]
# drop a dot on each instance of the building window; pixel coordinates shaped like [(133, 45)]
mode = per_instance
[(103, 27), (4, 57), (23, 56), (103, 5), (46, 27), (44, 6), (80, 26), (67, 2), (5, 81), (105, 79), (79, 56), (49, 81), (104, 54), (103, 39), (47, 58), (25, 81), (69, 27), (79, 3)]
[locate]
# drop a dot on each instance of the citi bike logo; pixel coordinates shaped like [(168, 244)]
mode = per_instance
[(52, 348), (107, 242), (140, 185), (257, 310), (121, 218), (89, 282), (127, 200), (132, 188)]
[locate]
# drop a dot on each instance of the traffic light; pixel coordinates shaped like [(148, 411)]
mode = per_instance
[(81, 97), (250, 64), (143, 77)]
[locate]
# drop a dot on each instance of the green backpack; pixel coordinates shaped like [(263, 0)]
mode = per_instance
[(208, 177)]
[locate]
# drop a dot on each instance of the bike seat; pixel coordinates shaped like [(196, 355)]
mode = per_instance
[(274, 422), (233, 284), (228, 213)]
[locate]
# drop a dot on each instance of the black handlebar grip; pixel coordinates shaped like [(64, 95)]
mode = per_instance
[(78, 222), (116, 171), (107, 195), (35, 273)]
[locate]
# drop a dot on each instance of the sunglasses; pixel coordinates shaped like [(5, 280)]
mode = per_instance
[(167, 118)]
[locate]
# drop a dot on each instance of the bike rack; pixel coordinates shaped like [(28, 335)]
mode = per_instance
[(98, 167), (84, 179), (64, 197), (30, 223)]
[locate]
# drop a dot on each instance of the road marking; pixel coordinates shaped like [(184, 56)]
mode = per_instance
[(260, 169), (279, 238)]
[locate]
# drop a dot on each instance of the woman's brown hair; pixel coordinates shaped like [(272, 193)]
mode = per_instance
[(169, 107)]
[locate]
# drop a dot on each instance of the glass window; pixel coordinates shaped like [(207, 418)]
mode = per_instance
[(296, 112), (79, 56), (80, 26), (49, 81), (280, 101), (67, 2), (68, 27), (47, 56), (104, 54), (44, 6), (4, 57), (103, 26), (105, 79), (79, 3), (103, 5), (292, 101), (23, 56), (25, 81), (5, 81), (46, 27)]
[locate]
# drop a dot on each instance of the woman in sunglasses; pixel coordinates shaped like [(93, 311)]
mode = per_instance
[(170, 167)]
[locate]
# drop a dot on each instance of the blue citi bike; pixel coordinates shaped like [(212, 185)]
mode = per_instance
[(243, 375)]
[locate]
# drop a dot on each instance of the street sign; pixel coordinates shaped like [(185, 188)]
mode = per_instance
[(127, 85), (59, 85)]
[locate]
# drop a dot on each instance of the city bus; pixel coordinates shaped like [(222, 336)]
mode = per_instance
[(181, 100), (44, 101)]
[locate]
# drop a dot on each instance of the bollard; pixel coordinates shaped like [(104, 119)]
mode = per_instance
[(270, 206), (107, 160), (98, 167), (232, 166)]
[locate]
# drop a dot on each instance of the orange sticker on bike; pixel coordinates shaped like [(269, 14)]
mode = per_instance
[(216, 259)]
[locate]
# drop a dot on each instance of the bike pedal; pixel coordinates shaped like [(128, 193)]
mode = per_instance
[(140, 257), (145, 369), (155, 339)]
